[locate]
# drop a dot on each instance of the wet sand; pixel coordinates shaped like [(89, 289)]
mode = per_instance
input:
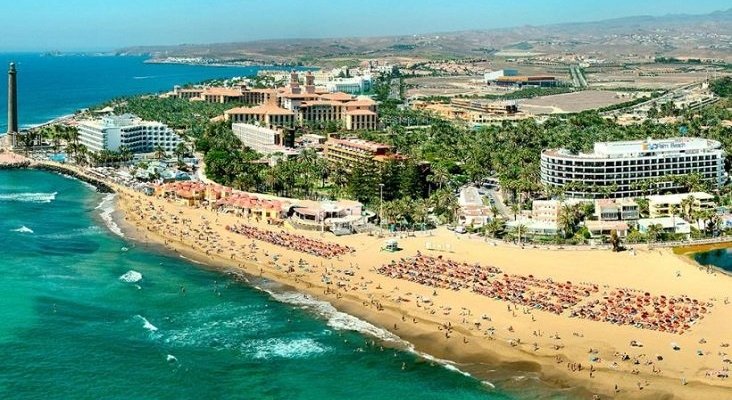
[(593, 358), (557, 347)]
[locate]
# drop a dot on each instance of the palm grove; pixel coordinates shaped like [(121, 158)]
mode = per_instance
[(440, 155)]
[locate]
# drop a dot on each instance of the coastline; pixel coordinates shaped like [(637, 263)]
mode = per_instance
[(418, 339), (425, 334), (220, 64), (688, 250)]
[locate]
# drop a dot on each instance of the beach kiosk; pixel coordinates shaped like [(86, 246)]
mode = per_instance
[(390, 245)]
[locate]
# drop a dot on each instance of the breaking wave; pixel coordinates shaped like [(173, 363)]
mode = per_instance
[(23, 229), (107, 208), (336, 319), (221, 331), (147, 325), (342, 321), (264, 349), (29, 197), (131, 276), (88, 231)]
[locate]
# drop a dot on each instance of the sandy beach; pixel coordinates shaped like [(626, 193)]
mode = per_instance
[(565, 315), (610, 360)]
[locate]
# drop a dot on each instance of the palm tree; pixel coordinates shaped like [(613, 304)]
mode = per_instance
[(440, 175), (269, 177), (567, 220), (307, 159), (45, 133), (494, 211), (339, 175), (390, 212), (653, 232), (160, 152), (180, 151), (71, 133), (615, 240), (444, 204), (420, 211), (687, 206), (642, 202), (672, 210), (28, 140), (515, 210), (80, 153), (495, 227), (519, 230), (125, 153)]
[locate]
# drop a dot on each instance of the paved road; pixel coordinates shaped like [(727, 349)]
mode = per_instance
[(498, 202), (470, 196)]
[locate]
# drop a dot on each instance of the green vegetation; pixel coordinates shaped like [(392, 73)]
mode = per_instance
[(631, 103), (265, 81), (674, 60), (176, 113), (521, 46), (440, 156), (526, 93), (722, 87), (403, 47)]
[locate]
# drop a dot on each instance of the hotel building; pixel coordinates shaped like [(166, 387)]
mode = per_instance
[(115, 131), (267, 114), (619, 169), (662, 205), (293, 104), (264, 140), (617, 210), (356, 151), (236, 94)]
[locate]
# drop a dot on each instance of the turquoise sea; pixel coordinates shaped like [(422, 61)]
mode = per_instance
[(52, 86), (83, 319), (80, 318), (720, 258)]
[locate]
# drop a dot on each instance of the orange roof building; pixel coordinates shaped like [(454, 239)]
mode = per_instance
[(354, 151), (296, 104), (267, 114)]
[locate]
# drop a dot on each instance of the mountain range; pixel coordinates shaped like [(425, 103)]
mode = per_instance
[(674, 35)]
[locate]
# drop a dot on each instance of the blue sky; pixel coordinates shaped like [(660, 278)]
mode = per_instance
[(33, 25)]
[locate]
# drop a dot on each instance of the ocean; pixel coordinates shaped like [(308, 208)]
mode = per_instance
[(720, 258), (88, 314), (53, 86)]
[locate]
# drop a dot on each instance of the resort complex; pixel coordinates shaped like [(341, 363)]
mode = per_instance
[(290, 105), (114, 132), (542, 214), (632, 168)]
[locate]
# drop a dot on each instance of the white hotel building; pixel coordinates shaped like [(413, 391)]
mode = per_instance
[(262, 140), (114, 131), (627, 163)]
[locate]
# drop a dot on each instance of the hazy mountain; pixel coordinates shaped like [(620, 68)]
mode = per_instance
[(707, 35)]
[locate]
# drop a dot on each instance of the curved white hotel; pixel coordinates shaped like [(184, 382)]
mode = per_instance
[(627, 163), (114, 131)]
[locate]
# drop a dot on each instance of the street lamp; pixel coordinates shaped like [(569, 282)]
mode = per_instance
[(381, 205)]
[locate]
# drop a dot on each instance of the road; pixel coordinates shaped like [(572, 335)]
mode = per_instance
[(578, 77), (668, 96), (469, 196), (498, 202)]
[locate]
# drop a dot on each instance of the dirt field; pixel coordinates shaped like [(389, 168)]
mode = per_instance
[(446, 86), (645, 77), (573, 102)]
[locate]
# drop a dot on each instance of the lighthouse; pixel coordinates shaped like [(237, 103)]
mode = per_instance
[(12, 104)]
